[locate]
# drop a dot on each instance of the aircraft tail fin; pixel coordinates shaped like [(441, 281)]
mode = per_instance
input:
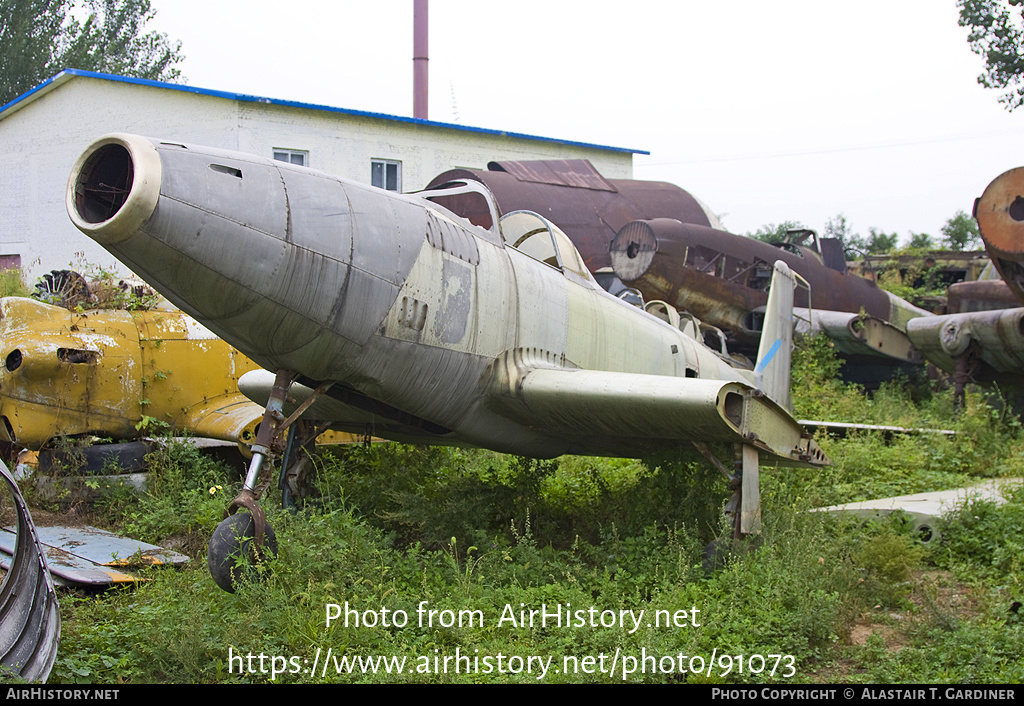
[(774, 356)]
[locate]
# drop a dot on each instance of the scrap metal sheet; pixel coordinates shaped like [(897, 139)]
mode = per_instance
[(925, 510), (91, 556)]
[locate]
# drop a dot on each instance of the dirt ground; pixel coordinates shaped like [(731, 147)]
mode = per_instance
[(936, 596)]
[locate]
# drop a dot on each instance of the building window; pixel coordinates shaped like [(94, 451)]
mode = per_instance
[(386, 174), (297, 157)]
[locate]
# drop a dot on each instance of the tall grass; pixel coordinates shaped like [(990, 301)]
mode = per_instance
[(12, 283), (397, 527)]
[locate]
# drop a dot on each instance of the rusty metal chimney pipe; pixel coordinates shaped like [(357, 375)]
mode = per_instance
[(419, 59)]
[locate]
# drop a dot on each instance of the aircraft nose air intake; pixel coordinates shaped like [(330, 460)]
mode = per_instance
[(114, 187)]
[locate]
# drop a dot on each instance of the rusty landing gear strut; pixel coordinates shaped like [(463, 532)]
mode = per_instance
[(243, 540), (744, 506)]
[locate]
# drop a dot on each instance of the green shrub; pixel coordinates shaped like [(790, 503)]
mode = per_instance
[(985, 539), (186, 494)]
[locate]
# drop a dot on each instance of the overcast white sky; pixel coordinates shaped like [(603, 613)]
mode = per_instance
[(766, 110)]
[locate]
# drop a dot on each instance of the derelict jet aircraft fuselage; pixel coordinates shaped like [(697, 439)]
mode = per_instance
[(412, 324)]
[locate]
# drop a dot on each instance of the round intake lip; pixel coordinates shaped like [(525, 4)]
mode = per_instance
[(633, 250), (114, 187), (1000, 214)]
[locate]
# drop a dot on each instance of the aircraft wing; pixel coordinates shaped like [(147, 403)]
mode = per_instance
[(859, 334), (602, 411), (996, 338)]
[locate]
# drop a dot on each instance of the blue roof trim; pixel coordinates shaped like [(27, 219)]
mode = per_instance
[(67, 73), (28, 94)]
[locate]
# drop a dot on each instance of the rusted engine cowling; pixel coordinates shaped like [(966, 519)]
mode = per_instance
[(1000, 215)]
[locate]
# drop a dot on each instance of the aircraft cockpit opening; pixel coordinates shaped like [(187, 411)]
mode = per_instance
[(532, 234)]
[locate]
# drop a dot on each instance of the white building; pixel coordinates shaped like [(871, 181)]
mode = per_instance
[(43, 131)]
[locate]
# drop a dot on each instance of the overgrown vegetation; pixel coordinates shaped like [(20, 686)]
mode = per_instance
[(399, 528), (12, 283), (916, 284), (89, 287)]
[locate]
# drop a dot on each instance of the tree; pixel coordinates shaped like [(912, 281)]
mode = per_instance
[(839, 227), (876, 243), (879, 242), (961, 232), (38, 38), (772, 233), (920, 241), (30, 31), (997, 35)]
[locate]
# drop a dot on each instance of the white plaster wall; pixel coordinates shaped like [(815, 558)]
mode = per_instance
[(345, 144), (40, 141)]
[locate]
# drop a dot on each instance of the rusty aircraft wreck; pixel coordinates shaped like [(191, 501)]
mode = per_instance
[(668, 245), (986, 346), (388, 314)]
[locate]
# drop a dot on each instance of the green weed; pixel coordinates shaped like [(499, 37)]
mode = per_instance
[(12, 283), (485, 537)]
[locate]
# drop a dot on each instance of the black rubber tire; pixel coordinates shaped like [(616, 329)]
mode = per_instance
[(128, 457), (231, 556)]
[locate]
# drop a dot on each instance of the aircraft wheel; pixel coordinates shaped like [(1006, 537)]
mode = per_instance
[(232, 556)]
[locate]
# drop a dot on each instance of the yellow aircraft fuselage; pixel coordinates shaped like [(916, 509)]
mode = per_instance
[(118, 374)]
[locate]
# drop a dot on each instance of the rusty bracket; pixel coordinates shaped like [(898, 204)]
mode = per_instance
[(735, 504), (705, 451), (249, 500), (966, 369), (317, 393)]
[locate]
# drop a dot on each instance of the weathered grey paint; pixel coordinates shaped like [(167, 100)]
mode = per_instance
[(430, 328)]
